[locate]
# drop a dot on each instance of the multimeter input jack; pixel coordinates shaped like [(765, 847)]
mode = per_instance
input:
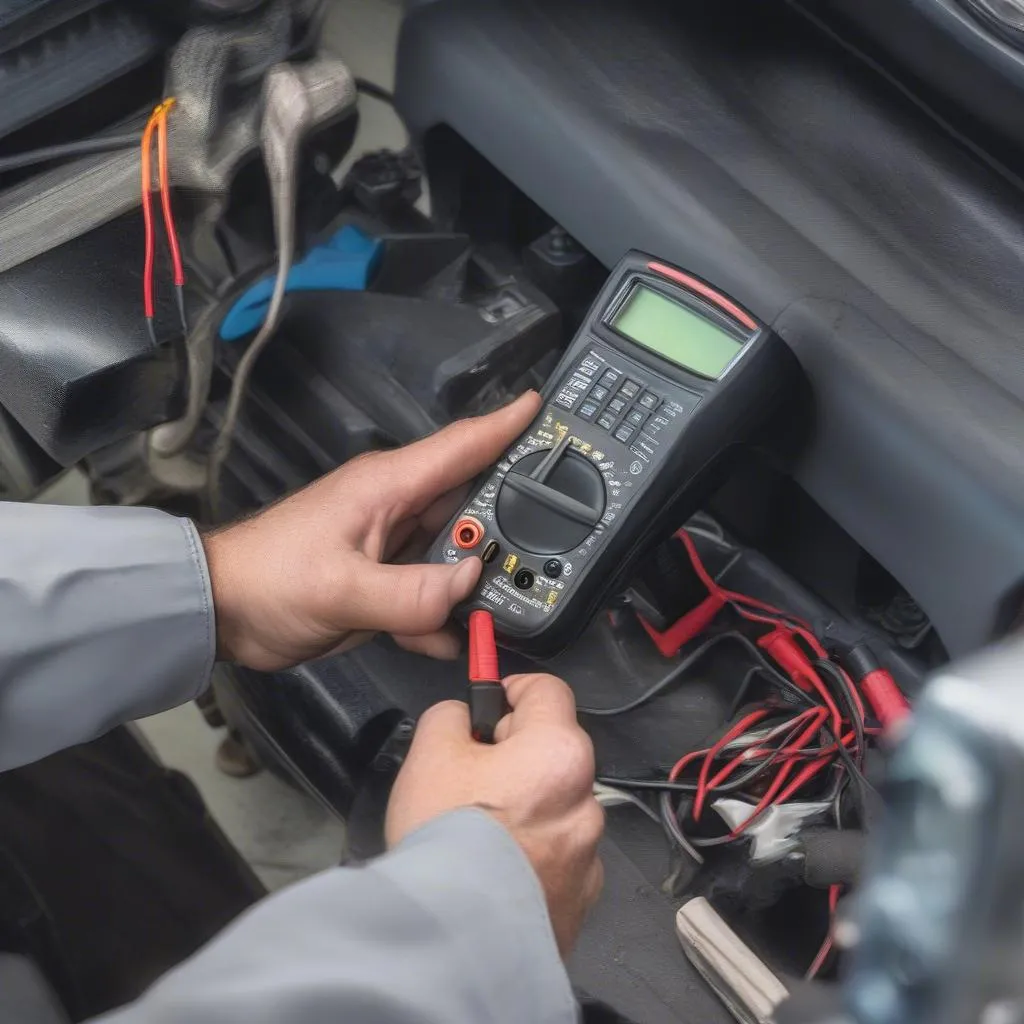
[(524, 579), (467, 533)]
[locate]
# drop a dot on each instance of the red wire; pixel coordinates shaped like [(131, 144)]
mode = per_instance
[(680, 766), (803, 777), (752, 754), (790, 752), (819, 961), (858, 703), (165, 196), (737, 730), (737, 598), (777, 783), (828, 701)]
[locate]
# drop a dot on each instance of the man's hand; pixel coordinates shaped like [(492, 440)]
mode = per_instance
[(300, 579), (537, 780)]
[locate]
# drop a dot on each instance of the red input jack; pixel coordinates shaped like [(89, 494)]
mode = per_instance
[(467, 533)]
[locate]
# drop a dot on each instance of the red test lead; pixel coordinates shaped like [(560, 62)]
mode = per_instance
[(488, 704), (878, 686)]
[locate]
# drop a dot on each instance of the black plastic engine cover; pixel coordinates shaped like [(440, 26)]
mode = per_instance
[(77, 369)]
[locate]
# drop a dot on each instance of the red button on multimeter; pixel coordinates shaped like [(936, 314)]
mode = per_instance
[(664, 380)]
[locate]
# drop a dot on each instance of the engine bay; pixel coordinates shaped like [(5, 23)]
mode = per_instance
[(742, 681)]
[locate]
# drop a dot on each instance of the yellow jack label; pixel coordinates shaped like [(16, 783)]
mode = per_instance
[(552, 596), (511, 562)]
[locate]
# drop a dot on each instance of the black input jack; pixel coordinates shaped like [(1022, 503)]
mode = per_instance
[(524, 579)]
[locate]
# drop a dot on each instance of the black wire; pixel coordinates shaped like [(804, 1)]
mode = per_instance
[(648, 784), (70, 150), (741, 693), (669, 813), (734, 785), (666, 681), (378, 92), (688, 662), (842, 686), (674, 831)]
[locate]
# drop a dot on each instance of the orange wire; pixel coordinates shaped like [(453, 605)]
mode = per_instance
[(165, 194)]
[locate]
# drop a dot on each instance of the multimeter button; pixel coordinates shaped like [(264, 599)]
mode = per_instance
[(609, 377), (567, 399), (587, 410), (579, 384), (552, 568), (650, 401), (599, 394), (606, 421), (630, 389), (636, 418), (616, 405), (624, 434)]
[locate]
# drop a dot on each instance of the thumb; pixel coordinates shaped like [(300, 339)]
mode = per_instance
[(409, 599), (537, 699)]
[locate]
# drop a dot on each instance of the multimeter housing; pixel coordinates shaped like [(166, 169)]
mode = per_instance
[(633, 436)]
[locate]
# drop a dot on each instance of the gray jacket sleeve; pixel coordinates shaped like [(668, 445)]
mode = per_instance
[(105, 615), (449, 928)]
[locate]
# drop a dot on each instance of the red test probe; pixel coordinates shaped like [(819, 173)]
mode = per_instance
[(488, 704)]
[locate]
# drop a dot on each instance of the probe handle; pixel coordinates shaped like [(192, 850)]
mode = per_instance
[(488, 704), (487, 707)]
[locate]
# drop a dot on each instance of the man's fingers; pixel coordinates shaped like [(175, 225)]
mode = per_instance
[(435, 517), (445, 725), (442, 645), (426, 470), (410, 600), (503, 729), (538, 699), (350, 641)]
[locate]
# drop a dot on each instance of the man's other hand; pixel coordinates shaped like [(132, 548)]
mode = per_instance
[(537, 780), (313, 573)]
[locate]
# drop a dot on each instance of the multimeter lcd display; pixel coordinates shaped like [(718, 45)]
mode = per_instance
[(656, 322)]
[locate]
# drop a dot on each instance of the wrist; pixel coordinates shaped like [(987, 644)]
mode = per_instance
[(233, 643)]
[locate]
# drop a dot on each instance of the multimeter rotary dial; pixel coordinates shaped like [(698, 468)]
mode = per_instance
[(550, 502)]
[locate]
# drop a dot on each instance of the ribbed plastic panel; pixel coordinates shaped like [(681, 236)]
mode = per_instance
[(51, 69), (24, 20)]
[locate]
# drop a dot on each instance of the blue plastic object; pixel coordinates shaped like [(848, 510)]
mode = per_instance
[(345, 263)]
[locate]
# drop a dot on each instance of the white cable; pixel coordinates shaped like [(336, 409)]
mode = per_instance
[(287, 116), (609, 796)]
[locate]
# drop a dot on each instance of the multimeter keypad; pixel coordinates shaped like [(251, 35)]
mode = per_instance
[(615, 402)]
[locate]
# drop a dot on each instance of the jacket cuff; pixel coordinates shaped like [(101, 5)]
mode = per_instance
[(490, 898), (108, 616)]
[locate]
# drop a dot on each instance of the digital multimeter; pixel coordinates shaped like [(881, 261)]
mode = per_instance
[(665, 375)]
